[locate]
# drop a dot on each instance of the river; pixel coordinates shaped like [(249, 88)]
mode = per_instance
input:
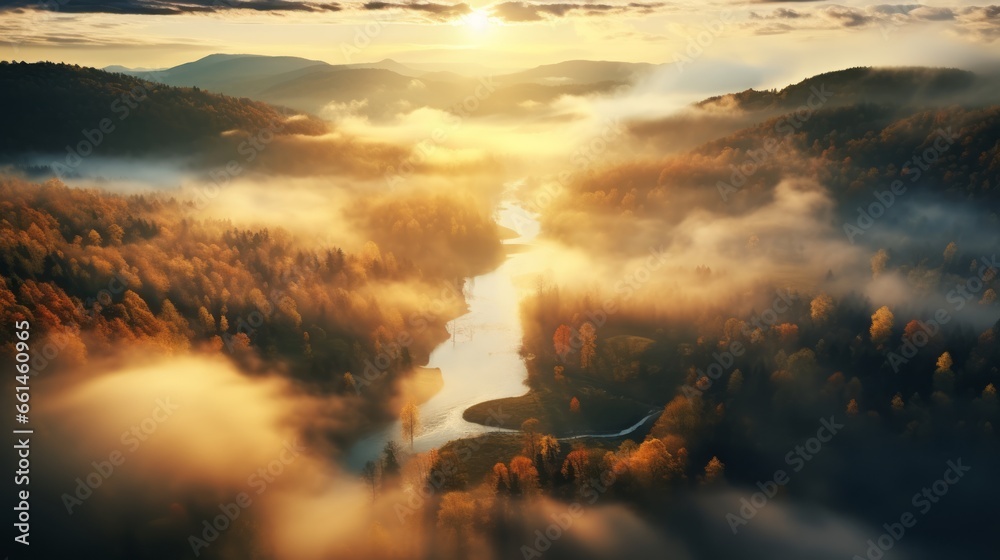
[(480, 361)]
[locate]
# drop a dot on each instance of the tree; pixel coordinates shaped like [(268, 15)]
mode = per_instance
[(349, 381), (944, 362), (735, 384), (558, 374), (820, 308), (575, 466), (501, 479), (787, 332), (949, 252), (456, 515), (714, 470), (989, 296), (881, 329), (548, 448), (370, 474), (561, 341), (897, 403), (523, 469), (207, 320), (650, 462), (588, 346), (852, 407), (681, 416), (912, 328), (574, 405), (944, 377), (410, 419), (390, 459), (530, 430), (115, 234), (879, 261), (802, 364)]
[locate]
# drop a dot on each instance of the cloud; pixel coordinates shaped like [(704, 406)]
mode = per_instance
[(169, 7), (780, 13), (977, 23), (981, 22), (931, 13), (437, 12), (848, 17), (516, 12)]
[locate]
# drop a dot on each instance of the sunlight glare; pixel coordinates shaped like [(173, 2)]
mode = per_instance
[(477, 20)]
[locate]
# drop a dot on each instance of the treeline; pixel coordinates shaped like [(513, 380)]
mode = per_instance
[(741, 393), (98, 272), (47, 106), (855, 142)]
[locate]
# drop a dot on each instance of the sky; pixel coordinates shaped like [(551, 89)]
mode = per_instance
[(760, 43)]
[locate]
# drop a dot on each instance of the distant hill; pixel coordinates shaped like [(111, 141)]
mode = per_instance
[(226, 73), (47, 107), (897, 91), (247, 75), (875, 120), (580, 72), (387, 86), (894, 86)]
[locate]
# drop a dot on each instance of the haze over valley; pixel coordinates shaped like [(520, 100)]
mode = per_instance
[(316, 280)]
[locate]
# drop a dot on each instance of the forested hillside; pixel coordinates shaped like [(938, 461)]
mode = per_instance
[(48, 106)]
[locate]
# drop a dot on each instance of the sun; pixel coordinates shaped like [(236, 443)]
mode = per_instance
[(476, 20)]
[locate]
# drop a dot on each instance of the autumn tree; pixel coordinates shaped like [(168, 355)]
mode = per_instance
[(681, 416), (409, 416), (714, 471), (650, 462), (944, 377), (820, 308), (949, 252), (852, 407), (456, 516), (574, 405), (802, 364), (575, 466), (989, 297), (881, 329), (588, 345), (897, 403), (944, 362), (562, 340), (207, 320), (548, 449), (523, 470), (501, 479), (787, 332)]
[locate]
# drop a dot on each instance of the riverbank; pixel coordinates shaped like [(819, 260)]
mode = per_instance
[(598, 413), (474, 457), (479, 361)]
